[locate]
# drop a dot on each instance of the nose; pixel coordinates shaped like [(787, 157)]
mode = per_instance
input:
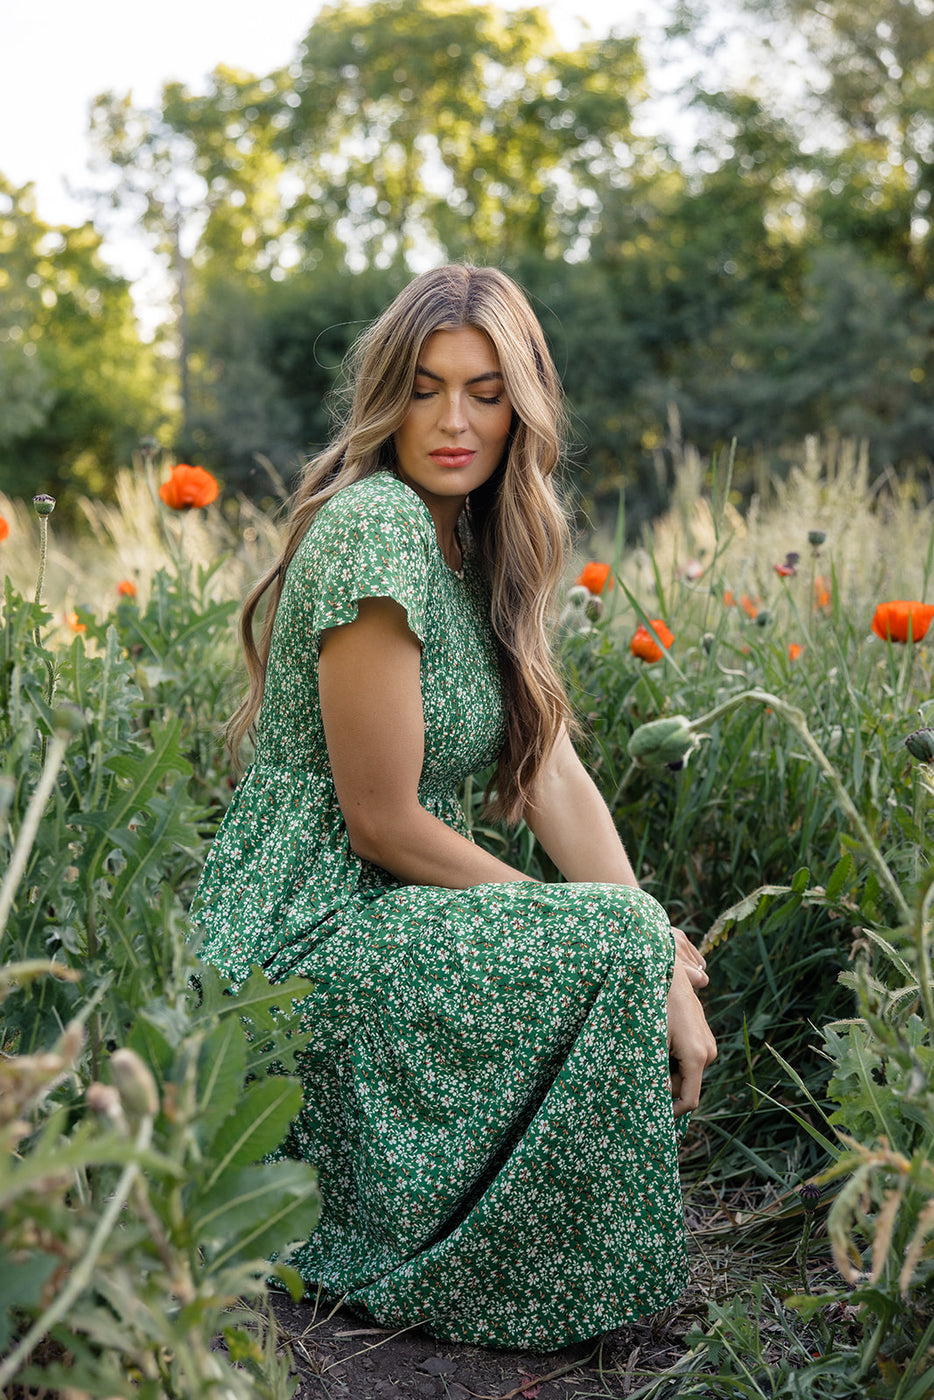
[(453, 418)]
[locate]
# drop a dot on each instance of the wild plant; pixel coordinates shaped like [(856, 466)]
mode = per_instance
[(140, 1095)]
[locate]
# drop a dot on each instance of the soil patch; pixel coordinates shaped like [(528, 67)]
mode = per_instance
[(338, 1357)]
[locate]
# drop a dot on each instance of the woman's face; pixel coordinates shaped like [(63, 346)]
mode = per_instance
[(455, 432)]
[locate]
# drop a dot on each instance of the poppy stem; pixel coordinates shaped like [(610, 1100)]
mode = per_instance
[(44, 506), (795, 718)]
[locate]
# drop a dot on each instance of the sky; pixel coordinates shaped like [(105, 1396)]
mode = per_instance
[(56, 55)]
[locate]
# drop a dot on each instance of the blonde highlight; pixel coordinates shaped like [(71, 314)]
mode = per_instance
[(517, 519)]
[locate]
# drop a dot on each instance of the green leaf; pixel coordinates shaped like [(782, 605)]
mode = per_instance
[(255, 1211), (291, 1278), (151, 1045), (221, 1071), (258, 1124), (841, 873), (242, 1345), (808, 1305), (21, 1283), (51, 1155)]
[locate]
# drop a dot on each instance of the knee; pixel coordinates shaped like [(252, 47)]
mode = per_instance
[(645, 929)]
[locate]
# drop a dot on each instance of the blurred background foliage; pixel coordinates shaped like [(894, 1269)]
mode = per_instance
[(766, 275)]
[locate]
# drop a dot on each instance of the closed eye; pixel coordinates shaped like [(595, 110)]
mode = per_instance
[(479, 398)]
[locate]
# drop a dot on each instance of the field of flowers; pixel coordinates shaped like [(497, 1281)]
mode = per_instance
[(755, 698)]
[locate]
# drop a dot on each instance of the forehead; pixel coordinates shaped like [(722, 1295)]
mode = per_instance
[(463, 349)]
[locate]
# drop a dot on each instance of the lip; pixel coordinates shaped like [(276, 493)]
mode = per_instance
[(452, 456)]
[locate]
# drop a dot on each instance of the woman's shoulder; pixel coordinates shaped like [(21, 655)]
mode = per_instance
[(378, 504)]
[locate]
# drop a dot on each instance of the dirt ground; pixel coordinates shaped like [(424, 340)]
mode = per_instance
[(338, 1357)]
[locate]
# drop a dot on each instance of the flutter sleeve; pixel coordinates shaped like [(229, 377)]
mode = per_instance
[(372, 540)]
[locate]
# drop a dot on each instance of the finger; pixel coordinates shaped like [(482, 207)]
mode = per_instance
[(689, 1086), (685, 949)]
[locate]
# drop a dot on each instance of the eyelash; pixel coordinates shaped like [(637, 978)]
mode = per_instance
[(417, 394)]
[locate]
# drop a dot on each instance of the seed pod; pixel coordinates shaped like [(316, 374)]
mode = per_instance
[(810, 1196), (135, 1084), (43, 505), (920, 744), (663, 741)]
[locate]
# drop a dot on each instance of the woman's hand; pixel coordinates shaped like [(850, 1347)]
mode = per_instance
[(690, 959), (691, 1046)]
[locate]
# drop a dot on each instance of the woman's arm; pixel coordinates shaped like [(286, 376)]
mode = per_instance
[(371, 708), (573, 823)]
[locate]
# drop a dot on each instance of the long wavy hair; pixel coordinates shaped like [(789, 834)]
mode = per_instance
[(516, 518)]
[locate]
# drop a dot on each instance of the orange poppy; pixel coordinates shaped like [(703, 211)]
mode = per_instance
[(891, 621), (126, 588), (188, 487), (645, 645), (594, 577), (4, 528), (821, 592), (73, 621), (750, 606), (794, 650)]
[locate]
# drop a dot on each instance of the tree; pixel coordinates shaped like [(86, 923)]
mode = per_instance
[(200, 176), (78, 388), (268, 356), (451, 128), (867, 92)]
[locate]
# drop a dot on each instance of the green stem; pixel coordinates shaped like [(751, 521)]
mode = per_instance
[(795, 718), (84, 1270), (43, 556), (27, 832), (869, 1352), (922, 932), (803, 1252), (92, 949), (40, 581)]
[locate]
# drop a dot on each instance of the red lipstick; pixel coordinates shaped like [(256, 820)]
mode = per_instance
[(452, 456)]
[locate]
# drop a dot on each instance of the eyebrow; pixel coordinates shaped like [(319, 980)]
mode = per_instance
[(477, 379)]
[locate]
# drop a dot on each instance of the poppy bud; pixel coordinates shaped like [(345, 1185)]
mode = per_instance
[(104, 1100), (663, 742), (43, 505), (920, 744), (135, 1084), (816, 537), (810, 1195)]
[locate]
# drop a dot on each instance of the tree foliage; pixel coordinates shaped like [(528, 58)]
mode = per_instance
[(77, 385), (771, 281)]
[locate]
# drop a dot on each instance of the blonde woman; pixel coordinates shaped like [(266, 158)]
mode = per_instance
[(494, 1065)]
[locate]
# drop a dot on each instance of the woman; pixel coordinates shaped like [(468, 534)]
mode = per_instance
[(488, 1096)]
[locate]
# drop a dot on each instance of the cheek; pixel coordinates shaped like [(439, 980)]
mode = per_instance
[(501, 429)]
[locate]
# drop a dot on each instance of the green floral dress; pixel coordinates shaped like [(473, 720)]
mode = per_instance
[(487, 1095)]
